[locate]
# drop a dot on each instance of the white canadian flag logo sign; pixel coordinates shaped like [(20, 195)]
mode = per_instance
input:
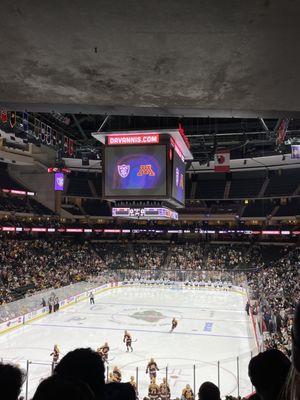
[(222, 161)]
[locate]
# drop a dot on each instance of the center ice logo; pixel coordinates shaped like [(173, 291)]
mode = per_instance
[(149, 315), (123, 170)]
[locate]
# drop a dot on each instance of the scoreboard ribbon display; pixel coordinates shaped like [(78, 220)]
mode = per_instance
[(135, 171)]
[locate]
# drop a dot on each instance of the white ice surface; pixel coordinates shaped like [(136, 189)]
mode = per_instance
[(213, 326)]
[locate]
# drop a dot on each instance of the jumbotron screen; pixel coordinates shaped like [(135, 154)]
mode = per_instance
[(178, 184), (134, 171)]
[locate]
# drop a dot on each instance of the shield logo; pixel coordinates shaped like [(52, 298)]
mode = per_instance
[(123, 170), (60, 181)]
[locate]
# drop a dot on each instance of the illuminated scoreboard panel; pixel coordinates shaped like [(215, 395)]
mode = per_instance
[(135, 171), (178, 178), (143, 167), (144, 213)]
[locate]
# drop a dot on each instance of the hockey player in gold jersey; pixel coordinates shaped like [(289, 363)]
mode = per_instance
[(152, 368), (187, 393), (164, 390), (153, 390)]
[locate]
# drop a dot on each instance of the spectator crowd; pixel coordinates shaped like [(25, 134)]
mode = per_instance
[(276, 290), (28, 266), (150, 256)]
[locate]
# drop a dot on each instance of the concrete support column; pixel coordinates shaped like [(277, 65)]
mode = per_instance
[(58, 196)]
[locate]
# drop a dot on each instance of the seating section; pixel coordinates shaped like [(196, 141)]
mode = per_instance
[(23, 205), (227, 208), (248, 184), (96, 207), (6, 182), (283, 183), (151, 257), (258, 208), (72, 209), (188, 187), (292, 208), (210, 188), (96, 181), (115, 255), (270, 254), (245, 188), (78, 186)]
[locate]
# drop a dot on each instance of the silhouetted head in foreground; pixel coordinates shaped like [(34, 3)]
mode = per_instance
[(268, 372), (59, 388), (83, 365), (209, 391), (120, 391), (11, 381)]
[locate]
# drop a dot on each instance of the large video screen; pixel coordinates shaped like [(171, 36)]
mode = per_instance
[(178, 181), (135, 171)]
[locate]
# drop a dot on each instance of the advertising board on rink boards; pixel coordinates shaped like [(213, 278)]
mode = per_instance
[(38, 313)]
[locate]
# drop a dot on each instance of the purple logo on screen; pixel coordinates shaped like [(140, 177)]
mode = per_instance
[(59, 181), (123, 170)]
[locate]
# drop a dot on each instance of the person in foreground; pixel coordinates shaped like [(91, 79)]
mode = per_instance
[(83, 365), (268, 372), (59, 388), (11, 381), (209, 391), (292, 390), (119, 391)]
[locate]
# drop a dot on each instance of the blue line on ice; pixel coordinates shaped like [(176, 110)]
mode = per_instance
[(138, 330)]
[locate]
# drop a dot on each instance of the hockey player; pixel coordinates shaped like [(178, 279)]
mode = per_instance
[(153, 390), (152, 368), (128, 341), (92, 298), (164, 390), (110, 377), (55, 354), (187, 393), (56, 304), (50, 305), (174, 324), (247, 308), (117, 376), (103, 351)]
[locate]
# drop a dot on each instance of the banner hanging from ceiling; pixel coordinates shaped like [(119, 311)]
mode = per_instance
[(42, 132), (222, 160)]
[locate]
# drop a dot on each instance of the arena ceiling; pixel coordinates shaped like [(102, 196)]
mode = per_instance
[(244, 137), (170, 58)]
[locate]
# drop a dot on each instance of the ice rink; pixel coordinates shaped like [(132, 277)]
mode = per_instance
[(213, 327)]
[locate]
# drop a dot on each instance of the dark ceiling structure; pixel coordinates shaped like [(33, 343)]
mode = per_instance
[(245, 138), (227, 71), (170, 58)]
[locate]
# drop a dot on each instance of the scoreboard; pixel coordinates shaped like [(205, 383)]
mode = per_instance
[(144, 166), (135, 171), (178, 178), (144, 212)]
